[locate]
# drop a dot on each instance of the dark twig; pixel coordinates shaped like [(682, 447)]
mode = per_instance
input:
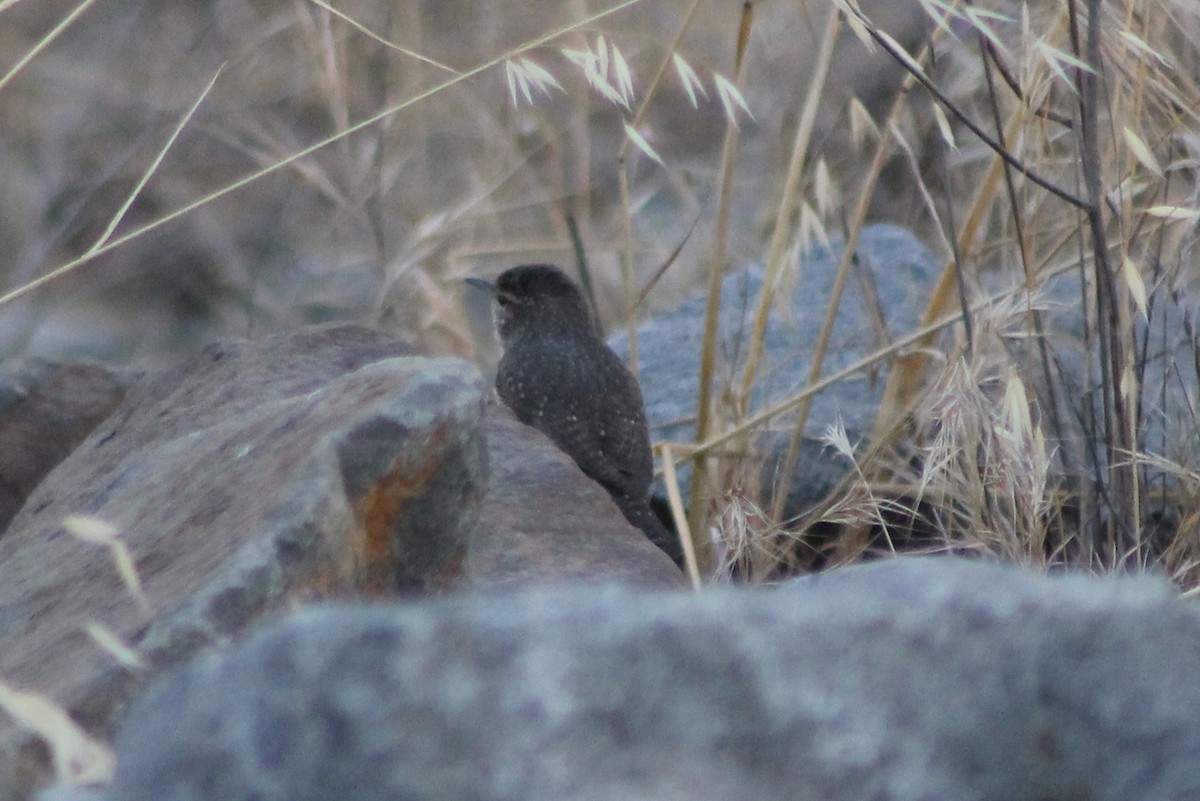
[(908, 64), (1039, 329), (1118, 441), (952, 238), (1011, 81), (666, 265), (581, 263)]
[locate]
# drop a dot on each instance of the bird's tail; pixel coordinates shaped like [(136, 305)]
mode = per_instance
[(638, 512)]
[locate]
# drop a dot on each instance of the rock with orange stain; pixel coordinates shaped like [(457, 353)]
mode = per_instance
[(328, 462)]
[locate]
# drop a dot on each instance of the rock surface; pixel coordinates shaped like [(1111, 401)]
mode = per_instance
[(326, 462), (1168, 379), (937, 680), (883, 298), (544, 522), (46, 410)]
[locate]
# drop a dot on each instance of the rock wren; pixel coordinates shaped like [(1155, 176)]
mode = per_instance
[(559, 376)]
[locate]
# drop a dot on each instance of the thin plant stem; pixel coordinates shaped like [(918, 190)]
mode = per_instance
[(305, 152), (781, 236), (698, 507), (45, 42)]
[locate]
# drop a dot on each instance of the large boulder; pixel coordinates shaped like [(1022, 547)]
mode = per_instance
[(892, 277), (329, 462), (910, 679), (544, 522)]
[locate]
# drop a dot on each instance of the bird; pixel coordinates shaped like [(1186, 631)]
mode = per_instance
[(559, 376)]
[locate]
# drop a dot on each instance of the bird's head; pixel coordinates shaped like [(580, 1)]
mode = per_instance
[(537, 297)]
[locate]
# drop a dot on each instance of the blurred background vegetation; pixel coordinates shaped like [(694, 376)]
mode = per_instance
[(375, 226)]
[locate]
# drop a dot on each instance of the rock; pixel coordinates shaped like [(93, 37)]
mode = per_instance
[(1059, 357), (46, 409), (890, 284), (931, 679), (1165, 359), (326, 462), (545, 522)]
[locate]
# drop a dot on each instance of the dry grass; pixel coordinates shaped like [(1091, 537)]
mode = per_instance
[(181, 173), (1070, 122), (175, 172)]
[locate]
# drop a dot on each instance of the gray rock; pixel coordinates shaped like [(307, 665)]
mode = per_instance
[(904, 680), (63, 792), (544, 522), (891, 284), (324, 462), (1070, 403), (1168, 373), (46, 410)]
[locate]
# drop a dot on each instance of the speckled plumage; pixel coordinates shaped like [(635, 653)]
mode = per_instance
[(559, 376)]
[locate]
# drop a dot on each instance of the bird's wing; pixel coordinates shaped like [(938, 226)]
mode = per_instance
[(603, 427)]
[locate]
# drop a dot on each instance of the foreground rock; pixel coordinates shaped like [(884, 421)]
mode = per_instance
[(936, 680), (328, 462)]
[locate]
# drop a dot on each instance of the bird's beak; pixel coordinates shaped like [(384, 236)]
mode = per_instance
[(479, 283)]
